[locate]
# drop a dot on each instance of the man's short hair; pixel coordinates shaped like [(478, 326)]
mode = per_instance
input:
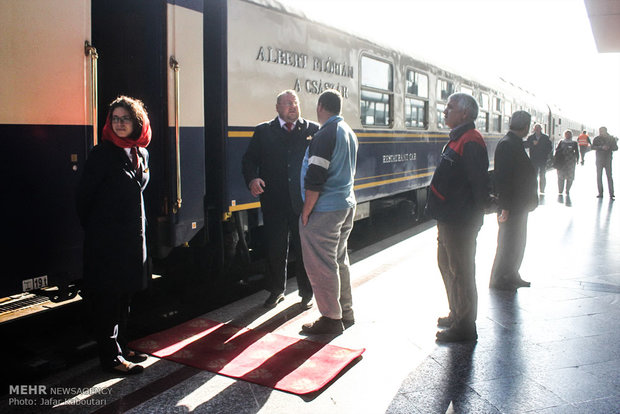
[(287, 92), (520, 120), (466, 103), (331, 101)]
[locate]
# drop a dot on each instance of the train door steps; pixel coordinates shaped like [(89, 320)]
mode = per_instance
[(15, 303), (294, 365)]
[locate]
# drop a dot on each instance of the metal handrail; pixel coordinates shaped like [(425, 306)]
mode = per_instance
[(174, 65), (91, 52)]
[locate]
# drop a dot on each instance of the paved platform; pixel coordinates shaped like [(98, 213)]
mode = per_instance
[(551, 348)]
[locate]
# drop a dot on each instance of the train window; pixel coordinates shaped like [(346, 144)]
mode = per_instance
[(482, 121), (496, 123), (416, 100), (444, 89), (441, 122), (497, 104), (467, 90), (483, 101), (376, 92), (375, 108), (376, 74), (417, 84), (415, 113)]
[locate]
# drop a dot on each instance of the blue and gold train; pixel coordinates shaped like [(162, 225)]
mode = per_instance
[(207, 71)]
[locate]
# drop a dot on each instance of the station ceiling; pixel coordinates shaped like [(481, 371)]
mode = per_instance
[(605, 22)]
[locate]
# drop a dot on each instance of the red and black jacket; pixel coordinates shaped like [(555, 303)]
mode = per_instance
[(460, 186)]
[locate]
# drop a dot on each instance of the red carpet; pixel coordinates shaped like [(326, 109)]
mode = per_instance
[(288, 364)]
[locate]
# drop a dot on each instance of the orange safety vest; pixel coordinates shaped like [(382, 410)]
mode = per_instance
[(583, 140)]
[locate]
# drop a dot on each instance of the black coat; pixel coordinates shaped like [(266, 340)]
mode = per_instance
[(514, 176), (275, 156), (110, 207), (539, 153)]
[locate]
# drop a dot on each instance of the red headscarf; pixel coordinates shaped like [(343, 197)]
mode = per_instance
[(143, 140)]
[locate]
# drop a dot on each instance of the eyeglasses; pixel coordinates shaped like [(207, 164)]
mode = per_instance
[(121, 120)]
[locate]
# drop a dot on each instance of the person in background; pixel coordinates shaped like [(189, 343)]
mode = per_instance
[(515, 187), (110, 206), (271, 166), (566, 158), (540, 148), (584, 144), (604, 144), (458, 198), (327, 175)]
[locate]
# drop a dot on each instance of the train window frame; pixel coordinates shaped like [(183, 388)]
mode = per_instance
[(495, 121), (507, 114), (466, 89), (440, 101), (483, 101), (483, 111), (414, 96), (440, 91), (441, 122), (385, 96), (482, 116)]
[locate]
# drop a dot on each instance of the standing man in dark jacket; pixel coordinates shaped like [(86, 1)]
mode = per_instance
[(540, 152), (515, 185), (459, 195), (604, 144), (271, 167)]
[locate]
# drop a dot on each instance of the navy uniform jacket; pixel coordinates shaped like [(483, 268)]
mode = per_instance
[(110, 208), (275, 155), (515, 178)]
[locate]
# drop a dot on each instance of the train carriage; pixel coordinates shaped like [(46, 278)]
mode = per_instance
[(208, 72)]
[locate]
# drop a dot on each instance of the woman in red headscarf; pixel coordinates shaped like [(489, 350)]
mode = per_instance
[(110, 205)]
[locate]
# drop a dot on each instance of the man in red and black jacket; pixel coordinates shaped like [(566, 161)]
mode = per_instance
[(458, 198)]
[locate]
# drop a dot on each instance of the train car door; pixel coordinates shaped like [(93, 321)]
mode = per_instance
[(152, 50), (45, 125)]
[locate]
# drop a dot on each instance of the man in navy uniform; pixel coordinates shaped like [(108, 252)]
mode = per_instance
[(271, 166)]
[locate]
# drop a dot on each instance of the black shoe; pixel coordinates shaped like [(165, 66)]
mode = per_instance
[(612, 197), (135, 357), (599, 196), (457, 335), (347, 323), (445, 321), (306, 302), (323, 325), (273, 300), (125, 368)]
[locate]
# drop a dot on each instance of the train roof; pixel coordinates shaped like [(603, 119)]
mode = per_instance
[(486, 82)]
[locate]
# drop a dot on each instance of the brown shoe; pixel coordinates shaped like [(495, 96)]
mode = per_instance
[(323, 325)]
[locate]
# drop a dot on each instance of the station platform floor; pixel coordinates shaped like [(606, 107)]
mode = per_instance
[(552, 348)]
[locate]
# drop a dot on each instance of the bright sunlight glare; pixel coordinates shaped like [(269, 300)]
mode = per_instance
[(543, 46)]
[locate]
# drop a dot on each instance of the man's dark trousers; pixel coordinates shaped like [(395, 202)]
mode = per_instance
[(282, 231)]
